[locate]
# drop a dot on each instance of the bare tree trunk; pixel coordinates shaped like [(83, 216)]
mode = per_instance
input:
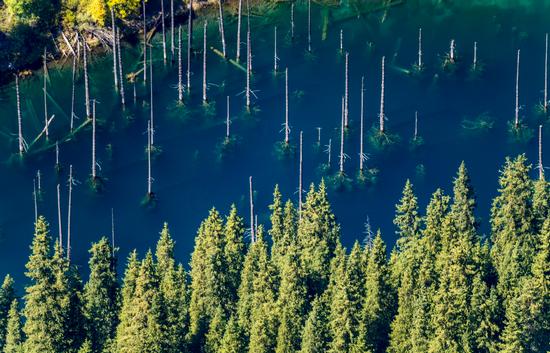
[(342, 141), (546, 76), (121, 72), (252, 235), (420, 47), (204, 84), (361, 151), (346, 93), (59, 216), (329, 152), (516, 123), (287, 129), (309, 25), (35, 199), (239, 20), (144, 44), (300, 187), (189, 38), (180, 69), (248, 68), (149, 146), (221, 28), (86, 83), (341, 41), (382, 116), (94, 175), (45, 91), (475, 56), (71, 182), (163, 32), (275, 57), (227, 121), (21, 141), (541, 166), (73, 93), (151, 105), (172, 45), (115, 71)]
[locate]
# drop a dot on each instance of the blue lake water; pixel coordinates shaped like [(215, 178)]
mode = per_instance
[(189, 178)]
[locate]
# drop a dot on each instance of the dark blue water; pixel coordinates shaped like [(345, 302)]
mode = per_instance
[(190, 178)]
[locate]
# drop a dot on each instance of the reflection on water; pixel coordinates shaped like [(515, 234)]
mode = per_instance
[(459, 117)]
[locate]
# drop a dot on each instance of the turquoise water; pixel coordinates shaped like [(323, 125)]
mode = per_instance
[(189, 176)]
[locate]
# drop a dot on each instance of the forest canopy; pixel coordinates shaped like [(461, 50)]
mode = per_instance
[(295, 288)]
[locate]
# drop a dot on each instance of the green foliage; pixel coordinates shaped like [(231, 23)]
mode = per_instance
[(316, 334), (441, 290), (14, 335), (7, 295), (101, 298), (318, 235)]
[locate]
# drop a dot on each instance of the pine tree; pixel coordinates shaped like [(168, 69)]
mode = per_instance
[(44, 317), (125, 330), (315, 336), (7, 295), (101, 297), (207, 277), (340, 319), (263, 330), (14, 337), (233, 253), (318, 235), (246, 288), (484, 316), (291, 303), (512, 226), (378, 301), (233, 340), (173, 289)]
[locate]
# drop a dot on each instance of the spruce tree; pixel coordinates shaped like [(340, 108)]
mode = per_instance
[(7, 295), (233, 340), (405, 262), (291, 303), (86, 347), (356, 272), (233, 257), (173, 289), (340, 319), (125, 330), (208, 277), (263, 330), (14, 336), (277, 225), (527, 320), (216, 331), (149, 331), (459, 261), (318, 234), (316, 333), (512, 226), (378, 301), (246, 288), (541, 203), (101, 297), (44, 316)]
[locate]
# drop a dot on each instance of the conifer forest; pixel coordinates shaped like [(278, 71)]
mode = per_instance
[(274, 176)]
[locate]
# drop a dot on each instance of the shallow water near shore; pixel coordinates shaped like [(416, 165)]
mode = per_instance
[(189, 175)]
